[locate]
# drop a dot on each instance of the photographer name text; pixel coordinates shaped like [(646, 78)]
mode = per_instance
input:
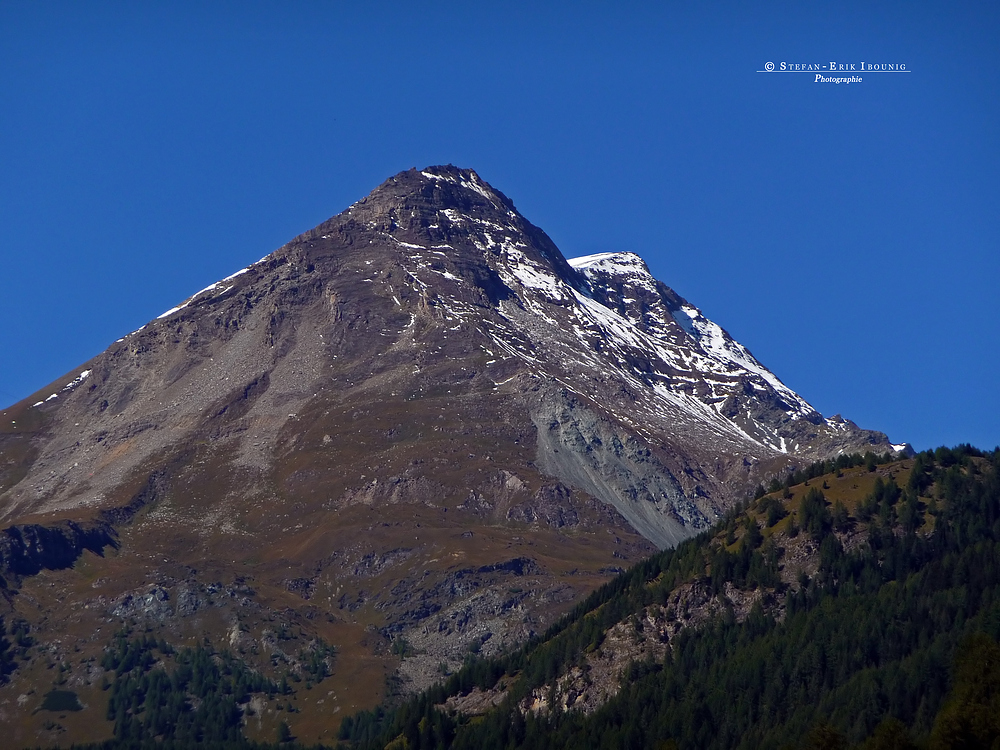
[(833, 71)]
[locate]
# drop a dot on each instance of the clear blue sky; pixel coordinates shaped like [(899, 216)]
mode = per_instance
[(847, 234)]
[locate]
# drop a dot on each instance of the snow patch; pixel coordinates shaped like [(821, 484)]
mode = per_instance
[(171, 311), (406, 244), (209, 288), (616, 264), (79, 379)]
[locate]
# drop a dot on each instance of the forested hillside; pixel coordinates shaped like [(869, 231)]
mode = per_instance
[(857, 603)]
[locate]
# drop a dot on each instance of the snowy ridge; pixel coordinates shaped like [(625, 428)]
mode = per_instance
[(613, 319), (726, 356), (672, 397), (625, 265), (718, 345), (704, 366)]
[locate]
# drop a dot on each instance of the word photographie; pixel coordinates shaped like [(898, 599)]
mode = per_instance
[(820, 78), (834, 71)]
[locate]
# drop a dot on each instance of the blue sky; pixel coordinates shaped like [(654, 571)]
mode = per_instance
[(847, 234)]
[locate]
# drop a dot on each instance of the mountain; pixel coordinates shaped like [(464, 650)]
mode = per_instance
[(415, 430)]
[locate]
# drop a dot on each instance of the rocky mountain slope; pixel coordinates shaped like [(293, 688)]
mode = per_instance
[(856, 606), (415, 430)]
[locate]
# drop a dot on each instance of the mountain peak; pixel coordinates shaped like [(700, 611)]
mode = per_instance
[(440, 259), (403, 416), (435, 188)]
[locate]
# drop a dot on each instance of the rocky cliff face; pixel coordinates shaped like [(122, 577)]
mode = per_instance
[(379, 416)]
